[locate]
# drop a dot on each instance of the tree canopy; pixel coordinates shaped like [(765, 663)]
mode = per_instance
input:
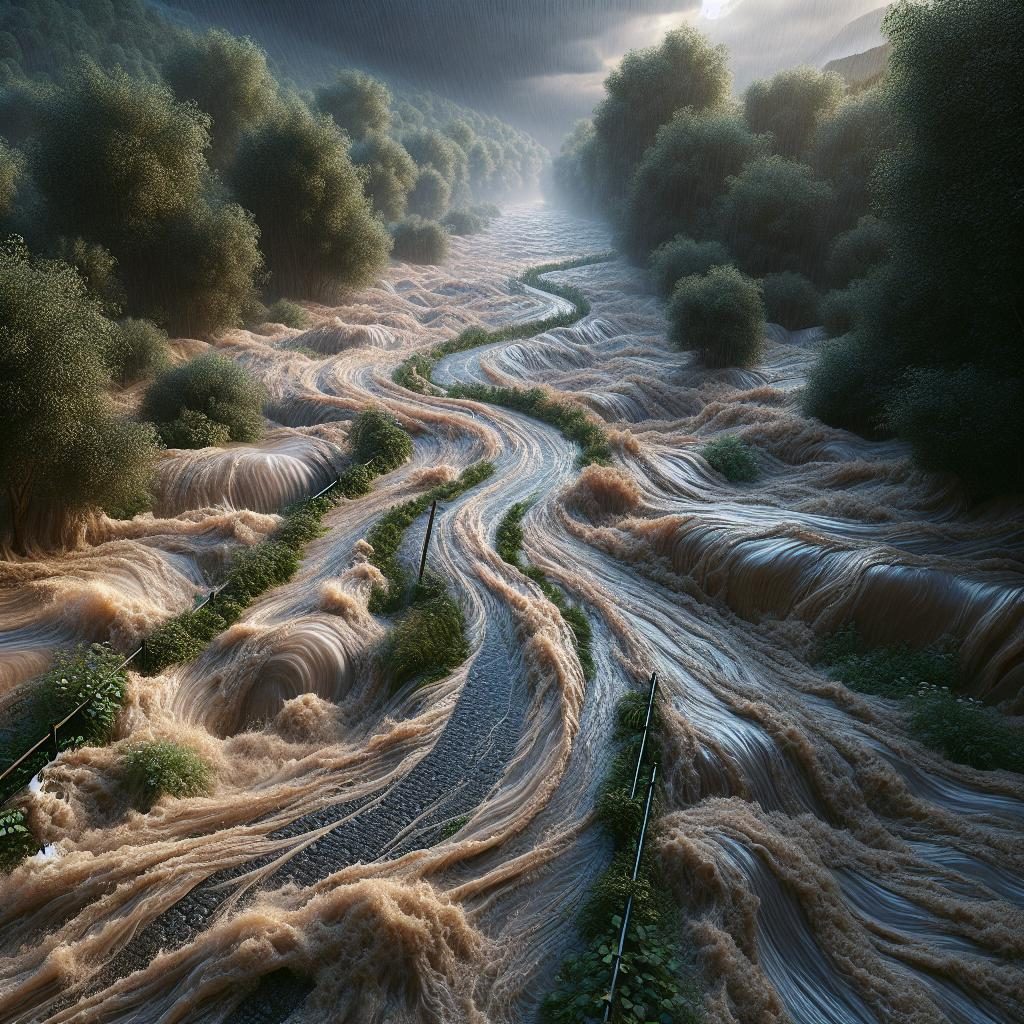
[(359, 104), (790, 106)]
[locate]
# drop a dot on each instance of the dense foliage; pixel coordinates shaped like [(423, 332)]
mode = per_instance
[(417, 240), (683, 257), (790, 107), (359, 104), (719, 315), (165, 768), (63, 452), (732, 457), (212, 387)]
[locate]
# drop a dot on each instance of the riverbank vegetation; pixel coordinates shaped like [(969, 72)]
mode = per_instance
[(858, 209), (173, 182)]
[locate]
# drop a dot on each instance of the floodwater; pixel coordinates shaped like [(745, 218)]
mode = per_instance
[(828, 868)]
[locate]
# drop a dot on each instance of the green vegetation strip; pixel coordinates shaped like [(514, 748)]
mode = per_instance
[(429, 639), (509, 541), (959, 727), (654, 984), (572, 420)]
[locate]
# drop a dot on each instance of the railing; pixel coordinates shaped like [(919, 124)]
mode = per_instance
[(51, 736), (627, 913)]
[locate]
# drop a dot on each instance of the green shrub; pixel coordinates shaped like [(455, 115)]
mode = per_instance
[(16, 840), (193, 429), (683, 257), (164, 768), (428, 641), (137, 349), (359, 104), (790, 300), (291, 314), (720, 315), (377, 435), (388, 173), (463, 222), (419, 241), (965, 731), (220, 389), (855, 253), (790, 106), (430, 195)]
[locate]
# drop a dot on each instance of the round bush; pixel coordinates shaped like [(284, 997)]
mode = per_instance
[(420, 241), (463, 222), (732, 457), (163, 767), (719, 315), (430, 195), (377, 435), (791, 301), (193, 429), (291, 314), (221, 390), (683, 257), (855, 253), (137, 349)]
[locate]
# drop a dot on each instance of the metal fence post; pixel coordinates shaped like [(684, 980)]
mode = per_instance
[(426, 540)]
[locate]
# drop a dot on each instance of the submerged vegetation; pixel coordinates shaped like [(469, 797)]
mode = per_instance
[(732, 457), (508, 542), (654, 980), (959, 727), (165, 768)]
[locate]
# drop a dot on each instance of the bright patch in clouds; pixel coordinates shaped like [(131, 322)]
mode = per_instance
[(714, 9)]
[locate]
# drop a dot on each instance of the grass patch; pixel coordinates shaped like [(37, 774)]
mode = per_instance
[(732, 457), (386, 535), (88, 671), (654, 985), (428, 641), (958, 727), (16, 839), (508, 543), (164, 768)]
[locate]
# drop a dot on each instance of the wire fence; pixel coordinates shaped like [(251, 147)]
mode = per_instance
[(51, 738), (627, 913)]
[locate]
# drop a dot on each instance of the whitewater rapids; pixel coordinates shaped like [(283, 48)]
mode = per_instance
[(829, 868)]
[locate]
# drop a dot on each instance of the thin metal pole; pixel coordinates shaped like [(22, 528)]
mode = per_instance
[(629, 902), (643, 739), (426, 540)]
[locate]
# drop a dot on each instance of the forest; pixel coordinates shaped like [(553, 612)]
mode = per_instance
[(889, 214)]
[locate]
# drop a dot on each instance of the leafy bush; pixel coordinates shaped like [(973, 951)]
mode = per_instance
[(432, 149), (965, 731), (428, 641), (682, 175), (137, 349), (464, 222), (790, 300), (774, 216), (430, 195), (224, 392), (228, 78), (388, 172), (98, 269), (62, 452), (683, 257), (359, 104), (419, 241), (193, 429), (857, 252), (16, 841), (377, 435), (291, 314), (719, 315), (317, 229), (732, 457), (165, 768), (790, 106)]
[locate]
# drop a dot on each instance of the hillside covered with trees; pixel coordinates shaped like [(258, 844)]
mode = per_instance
[(891, 215)]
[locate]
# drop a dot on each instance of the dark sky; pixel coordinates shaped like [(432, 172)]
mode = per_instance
[(537, 63)]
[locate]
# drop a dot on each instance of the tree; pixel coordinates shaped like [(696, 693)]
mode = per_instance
[(213, 387), (720, 315), (430, 196), (11, 167), (774, 216), (683, 257), (359, 104), (790, 106), (433, 149), (317, 229), (114, 156), (389, 173), (227, 78), (646, 90), (936, 339), (62, 451), (137, 349), (682, 175), (420, 241), (855, 253)]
